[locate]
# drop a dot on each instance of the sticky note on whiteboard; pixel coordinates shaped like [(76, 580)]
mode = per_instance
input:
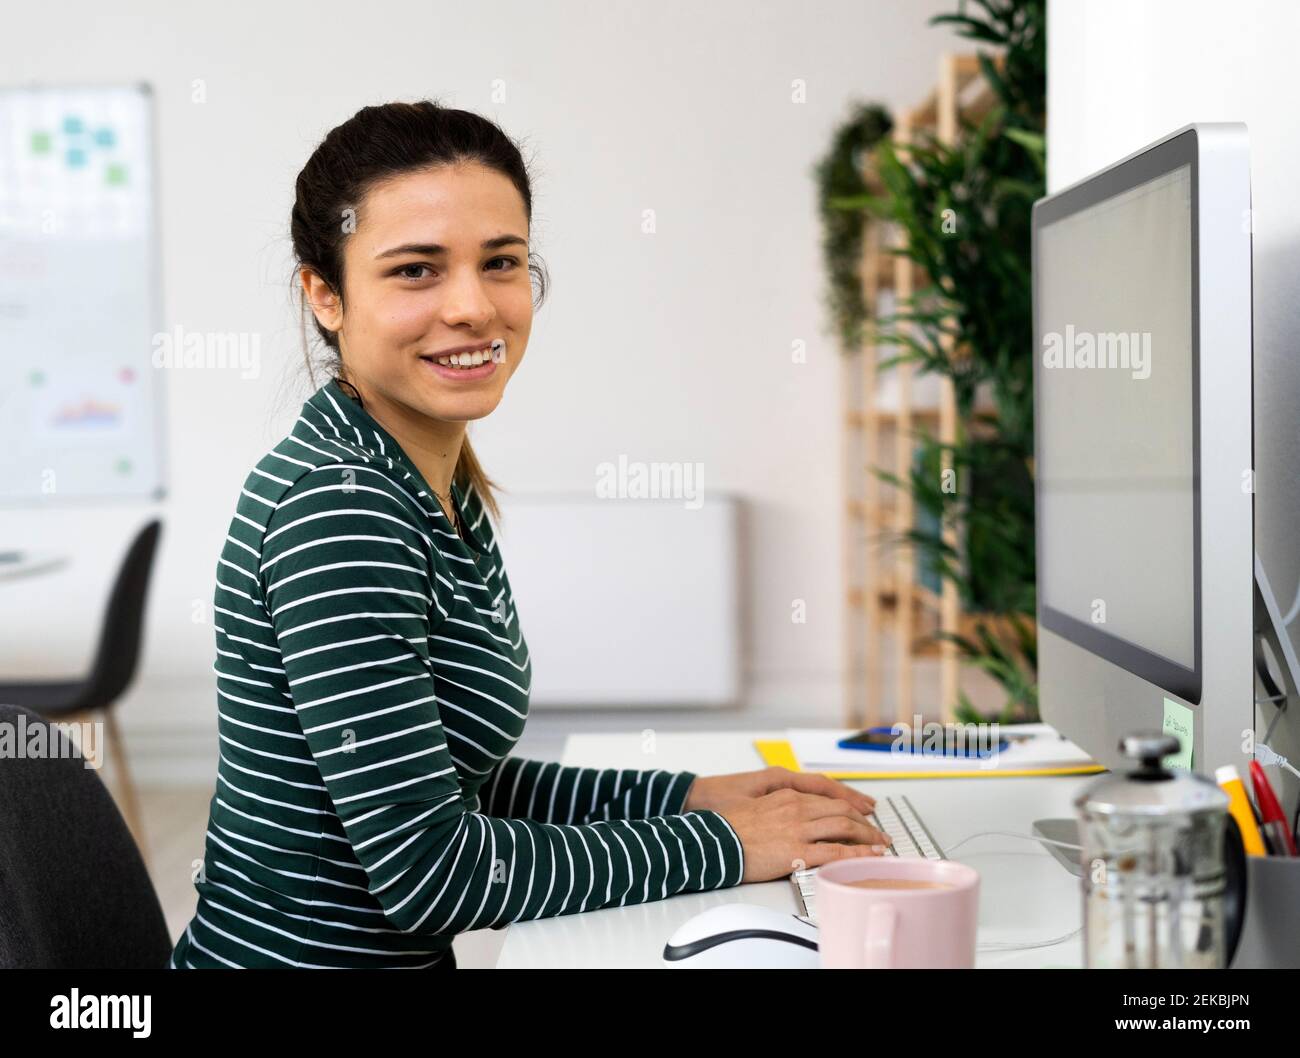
[(1178, 722)]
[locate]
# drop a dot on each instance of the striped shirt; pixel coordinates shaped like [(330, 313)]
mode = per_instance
[(372, 680)]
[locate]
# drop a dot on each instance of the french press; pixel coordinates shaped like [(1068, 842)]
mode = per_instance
[(1164, 868)]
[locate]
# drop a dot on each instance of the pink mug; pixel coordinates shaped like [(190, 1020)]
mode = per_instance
[(897, 928)]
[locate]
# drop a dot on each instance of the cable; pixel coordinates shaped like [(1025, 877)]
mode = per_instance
[(994, 945), (1013, 834), (1266, 755)]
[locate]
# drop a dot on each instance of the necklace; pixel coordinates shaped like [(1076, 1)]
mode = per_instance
[(449, 505)]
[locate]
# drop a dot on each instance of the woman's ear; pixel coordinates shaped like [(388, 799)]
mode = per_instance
[(325, 304)]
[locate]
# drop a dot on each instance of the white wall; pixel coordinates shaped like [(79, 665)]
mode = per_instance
[(1123, 73), (674, 346)]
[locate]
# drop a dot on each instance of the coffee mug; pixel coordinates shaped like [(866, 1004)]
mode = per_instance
[(877, 913)]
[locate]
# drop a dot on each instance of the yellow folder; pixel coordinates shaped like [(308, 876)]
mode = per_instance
[(778, 751)]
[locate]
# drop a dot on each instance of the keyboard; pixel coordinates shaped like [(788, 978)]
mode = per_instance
[(897, 818)]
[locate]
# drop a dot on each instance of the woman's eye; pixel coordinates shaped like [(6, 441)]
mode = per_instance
[(413, 271)]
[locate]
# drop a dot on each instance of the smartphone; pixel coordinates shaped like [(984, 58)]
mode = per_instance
[(959, 741)]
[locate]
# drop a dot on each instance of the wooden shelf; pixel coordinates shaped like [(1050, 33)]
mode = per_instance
[(968, 95), (856, 420), (919, 593), (892, 415), (886, 266), (884, 601)]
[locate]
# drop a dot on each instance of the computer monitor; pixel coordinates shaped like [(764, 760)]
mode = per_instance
[(1143, 448)]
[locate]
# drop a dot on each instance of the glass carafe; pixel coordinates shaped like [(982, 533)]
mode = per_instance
[(1153, 855)]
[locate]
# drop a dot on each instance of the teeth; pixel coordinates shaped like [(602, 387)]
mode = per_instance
[(496, 352)]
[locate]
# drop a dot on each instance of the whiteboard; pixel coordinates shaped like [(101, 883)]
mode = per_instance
[(80, 411)]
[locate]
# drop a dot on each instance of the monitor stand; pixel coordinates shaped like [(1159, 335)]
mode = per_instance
[(1066, 830), (1268, 629)]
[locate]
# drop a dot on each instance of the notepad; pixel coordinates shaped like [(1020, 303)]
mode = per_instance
[(815, 750)]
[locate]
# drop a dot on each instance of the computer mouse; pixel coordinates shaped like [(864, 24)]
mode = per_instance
[(743, 937)]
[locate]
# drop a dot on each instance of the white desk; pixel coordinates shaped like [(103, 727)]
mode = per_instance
[(30, 563), (1025, 894)]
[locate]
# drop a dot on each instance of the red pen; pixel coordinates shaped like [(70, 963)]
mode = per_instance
[(1270, 810)]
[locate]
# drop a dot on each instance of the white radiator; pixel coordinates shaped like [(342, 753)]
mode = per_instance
[(625, 602)]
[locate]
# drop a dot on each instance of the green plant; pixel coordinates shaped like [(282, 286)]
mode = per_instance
[(964, 210), (839, 178)]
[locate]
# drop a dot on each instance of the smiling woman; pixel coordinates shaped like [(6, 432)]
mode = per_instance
[(411, 228), (372, 675)]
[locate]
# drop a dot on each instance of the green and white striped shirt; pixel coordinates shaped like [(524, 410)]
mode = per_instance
[(372, 680)]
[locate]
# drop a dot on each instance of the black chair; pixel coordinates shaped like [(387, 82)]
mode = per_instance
[(74, 891), (111, 671)]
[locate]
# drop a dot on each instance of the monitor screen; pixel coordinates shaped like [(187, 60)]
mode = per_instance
[(1117, 432)]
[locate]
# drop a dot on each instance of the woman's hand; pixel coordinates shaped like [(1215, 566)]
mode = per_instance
[(787, 820), (717, 791), (785, 831)]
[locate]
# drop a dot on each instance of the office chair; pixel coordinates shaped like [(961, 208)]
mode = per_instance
[(74, 891), (111, 671)]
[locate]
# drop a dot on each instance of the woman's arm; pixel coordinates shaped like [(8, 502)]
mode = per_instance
[(351, 618), (550, 793)]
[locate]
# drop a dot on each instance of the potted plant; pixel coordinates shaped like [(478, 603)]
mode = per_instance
[(964, 210)]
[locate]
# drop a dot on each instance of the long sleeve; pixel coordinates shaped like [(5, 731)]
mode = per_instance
[(350, 578), (551, 793)]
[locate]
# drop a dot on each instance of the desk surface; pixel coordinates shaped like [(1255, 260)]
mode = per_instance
[(1026, 896), (30, 563)]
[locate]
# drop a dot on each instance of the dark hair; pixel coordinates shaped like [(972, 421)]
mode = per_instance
[(376, 143)]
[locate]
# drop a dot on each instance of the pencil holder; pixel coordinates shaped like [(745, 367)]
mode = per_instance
[(1270, 932)]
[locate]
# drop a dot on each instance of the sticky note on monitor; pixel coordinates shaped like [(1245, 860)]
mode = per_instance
[(1178, 722)]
